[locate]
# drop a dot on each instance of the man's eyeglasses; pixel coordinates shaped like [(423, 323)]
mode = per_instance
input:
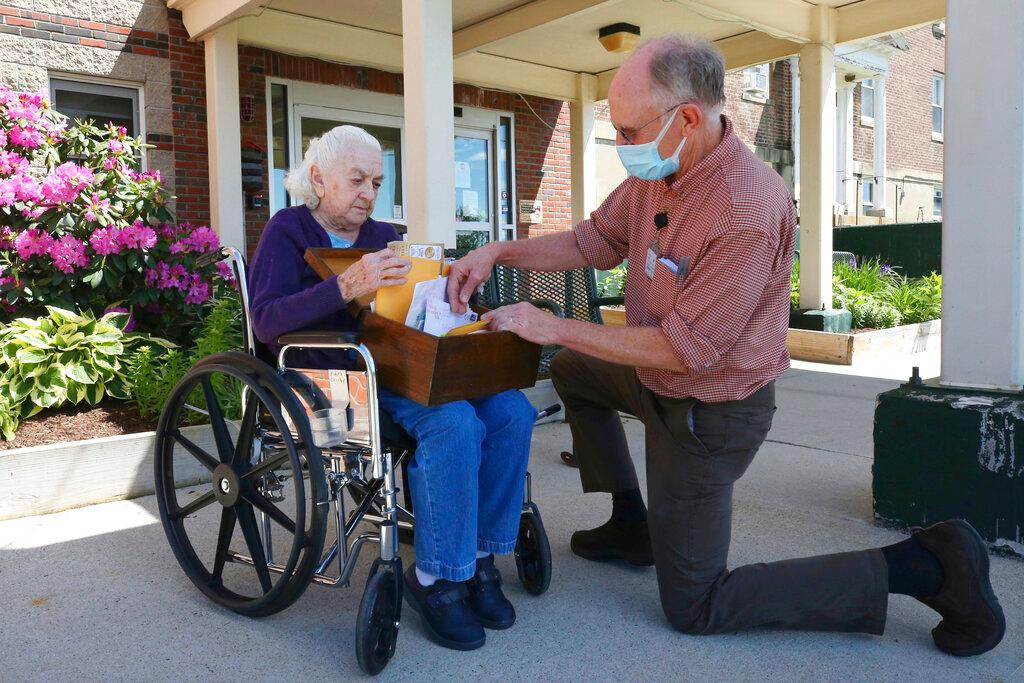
[(629, 133)]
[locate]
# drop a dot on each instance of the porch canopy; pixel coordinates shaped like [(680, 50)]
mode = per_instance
[(550, 48)]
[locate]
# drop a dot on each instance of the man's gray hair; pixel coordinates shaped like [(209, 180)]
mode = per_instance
[(685, 68), (326, 152)]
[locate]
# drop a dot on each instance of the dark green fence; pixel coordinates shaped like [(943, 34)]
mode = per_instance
[(916, 248)]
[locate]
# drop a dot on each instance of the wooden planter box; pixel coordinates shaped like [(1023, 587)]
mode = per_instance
[(841, 349), (432, 370)]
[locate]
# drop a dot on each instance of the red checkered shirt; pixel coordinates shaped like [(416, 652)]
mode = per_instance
[(732, 218)]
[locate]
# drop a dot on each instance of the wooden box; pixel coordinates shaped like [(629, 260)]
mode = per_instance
[(432, 370)]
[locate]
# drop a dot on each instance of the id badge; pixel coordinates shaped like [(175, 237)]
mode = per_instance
[(652, 259)]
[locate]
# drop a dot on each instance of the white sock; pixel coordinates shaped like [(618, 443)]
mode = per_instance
[(424, 578), (480, 554)]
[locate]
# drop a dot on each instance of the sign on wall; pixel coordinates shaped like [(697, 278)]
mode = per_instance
[(530, 212)]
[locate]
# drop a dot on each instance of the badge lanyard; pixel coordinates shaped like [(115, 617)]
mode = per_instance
[(654, 248)]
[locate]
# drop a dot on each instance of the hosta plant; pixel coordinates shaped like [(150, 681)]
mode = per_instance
[(65, 357)]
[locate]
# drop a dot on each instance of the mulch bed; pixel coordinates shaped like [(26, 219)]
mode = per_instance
[(75, 423)]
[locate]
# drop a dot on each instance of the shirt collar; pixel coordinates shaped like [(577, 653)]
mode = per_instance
[(722, 152)]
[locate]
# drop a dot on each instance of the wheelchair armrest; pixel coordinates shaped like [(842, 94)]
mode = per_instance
[(211, 257), (318, 337)]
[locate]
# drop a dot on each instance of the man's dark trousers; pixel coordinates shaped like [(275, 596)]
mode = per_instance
[(690, 477)]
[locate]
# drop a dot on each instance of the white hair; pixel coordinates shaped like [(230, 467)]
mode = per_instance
[(326, 152), (686, 68)]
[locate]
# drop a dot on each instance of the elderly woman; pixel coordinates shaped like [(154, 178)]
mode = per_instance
[(468, 471)]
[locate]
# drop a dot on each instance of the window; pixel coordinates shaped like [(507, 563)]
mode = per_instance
[(867, 98), (867, 194), (280, 135), (100, 102), (938, 94), (755, 83), (937, 203), (389, 204)]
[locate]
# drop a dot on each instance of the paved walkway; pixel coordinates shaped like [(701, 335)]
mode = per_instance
[(95, 594)]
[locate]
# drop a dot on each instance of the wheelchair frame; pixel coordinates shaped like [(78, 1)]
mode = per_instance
[(367, 471)]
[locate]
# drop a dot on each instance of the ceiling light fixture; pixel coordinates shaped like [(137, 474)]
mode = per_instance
[(621, 37)]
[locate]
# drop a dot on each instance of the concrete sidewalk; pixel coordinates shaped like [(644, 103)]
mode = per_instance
[(95, 594)]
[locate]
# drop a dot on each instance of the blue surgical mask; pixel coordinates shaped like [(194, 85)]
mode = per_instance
[(645, 162)]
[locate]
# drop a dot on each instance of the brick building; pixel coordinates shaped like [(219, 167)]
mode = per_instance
[(132, 61)]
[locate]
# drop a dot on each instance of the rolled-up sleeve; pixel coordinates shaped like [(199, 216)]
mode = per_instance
[(603, 238), (719, 296)]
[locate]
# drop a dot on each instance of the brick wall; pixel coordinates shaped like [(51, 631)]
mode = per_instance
[(542, 139), (909, 143), (124, 40), (767, 124)]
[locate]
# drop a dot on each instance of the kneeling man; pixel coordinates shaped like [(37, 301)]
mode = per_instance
[(709, 232)]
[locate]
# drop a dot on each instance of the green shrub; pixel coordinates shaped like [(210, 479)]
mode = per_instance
[(614, 284), (794, 285), (64, 357), (8, 418), (153, 376), (869, 276)]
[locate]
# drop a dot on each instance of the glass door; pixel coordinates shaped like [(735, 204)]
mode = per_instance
[(474, 183), (314, 121)]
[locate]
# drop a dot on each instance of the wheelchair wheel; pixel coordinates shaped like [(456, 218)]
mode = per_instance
[(533, 553), (380, 611), (240, 462)]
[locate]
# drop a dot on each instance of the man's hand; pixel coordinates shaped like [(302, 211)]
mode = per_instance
[(468, 273), (527, 321), (371, 272)]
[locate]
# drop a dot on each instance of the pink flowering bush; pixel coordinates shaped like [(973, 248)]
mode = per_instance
[(83, 227)]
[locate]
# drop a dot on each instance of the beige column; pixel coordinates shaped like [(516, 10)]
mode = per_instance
[(429, 120), (583, 148), (983, 198), (817, 173), (224, 137)]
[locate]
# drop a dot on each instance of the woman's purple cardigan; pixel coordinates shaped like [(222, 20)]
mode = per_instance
[(287, 296)]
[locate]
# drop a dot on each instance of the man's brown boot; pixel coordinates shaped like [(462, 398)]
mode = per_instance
[(972, 620)]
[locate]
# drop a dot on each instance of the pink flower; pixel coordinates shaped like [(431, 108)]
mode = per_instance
[(198, 291), (96, 204), (104, 241), (115, 146), (31, 243), (28, 137), (152, 277), (122, 131), (109, 164), (67, 253), (26, 187), (12, 162), (6, 237), (33, 214), (65, 183), (26, 112), (137, 236)]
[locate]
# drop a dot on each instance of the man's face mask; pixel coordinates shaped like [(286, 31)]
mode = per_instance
[(645, 162)]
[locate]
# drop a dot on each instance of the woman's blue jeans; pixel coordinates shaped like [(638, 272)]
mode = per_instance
[(466, 477)]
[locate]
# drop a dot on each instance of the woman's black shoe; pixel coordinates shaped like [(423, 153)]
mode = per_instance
[(445, 612), (488, 603)]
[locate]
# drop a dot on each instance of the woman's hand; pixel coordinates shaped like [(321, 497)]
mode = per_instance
[(467, 274), (371, 272)]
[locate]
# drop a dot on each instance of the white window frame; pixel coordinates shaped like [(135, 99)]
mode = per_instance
[(104, 86), (756, 82), (937, 195), (868, 119), (938, 93), (370, 107), (867, 194)]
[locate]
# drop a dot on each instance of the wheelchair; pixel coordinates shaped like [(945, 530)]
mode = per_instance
[(282, 491)]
